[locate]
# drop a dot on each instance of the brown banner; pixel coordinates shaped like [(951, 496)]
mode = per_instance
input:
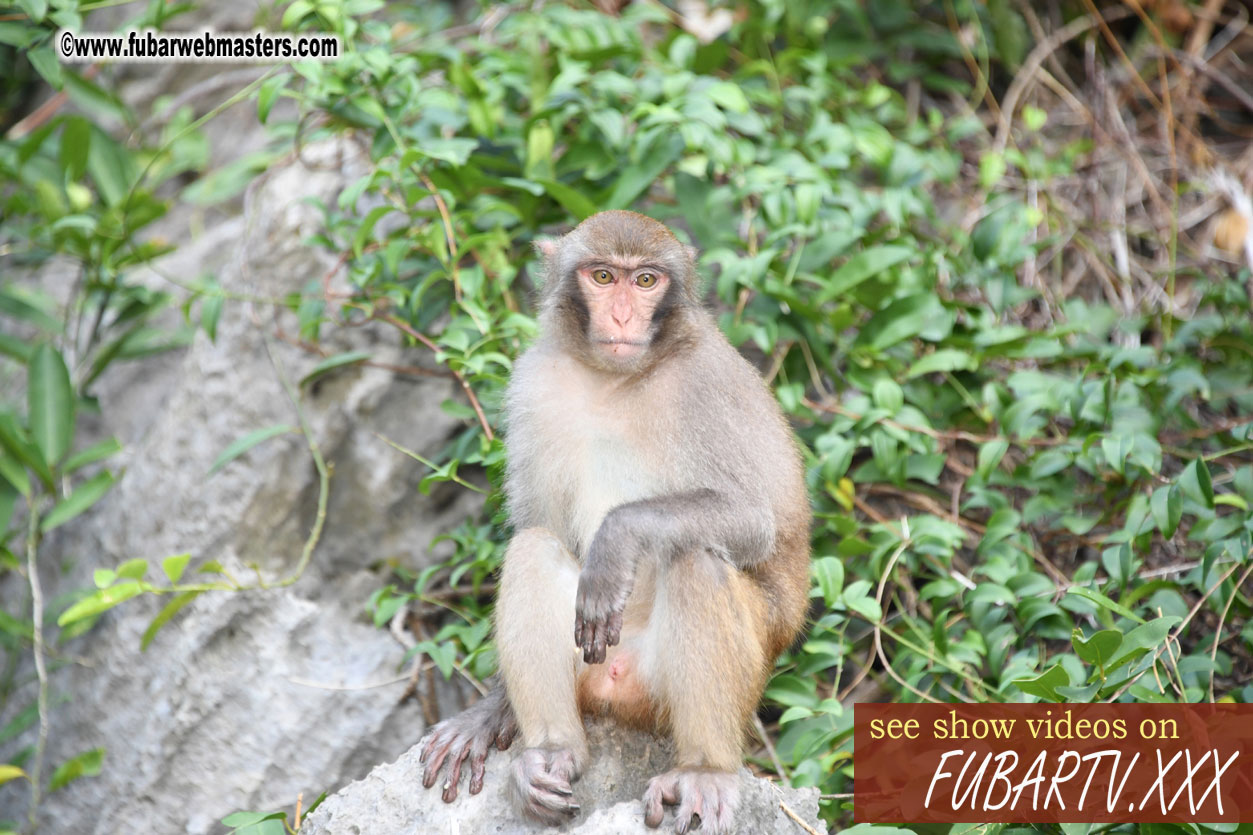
[(1053, 763)]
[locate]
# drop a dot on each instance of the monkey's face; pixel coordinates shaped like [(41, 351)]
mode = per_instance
[(620, 288), (622, 299)]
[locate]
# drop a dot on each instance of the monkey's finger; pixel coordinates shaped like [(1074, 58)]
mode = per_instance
[(653, 810), (614, 629), (505, 738), (478, 761), (454, 775), (589, 642), (578, 630), (594, 649), (477, 765), (428, 742), (709, 806), (551, 785), (433, 766), (721, 822), (561, 804), (661, 790), (690, 806)]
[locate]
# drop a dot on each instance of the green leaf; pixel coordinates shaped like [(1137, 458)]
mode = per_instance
[(8, 501), (1104, 602), (269, 91), (246, 443), (295, 13), (572, 200), (75, 143), (101, 600), (793, 691), (945, 359), (1196, 484), (992, 168), (857, 599), (86, 764), (641, 174), (211, 313), (10, 772), (863, 265), (540, 141), (1098, 649), (36, 10), (1034, 118), (14, 440), (1045, 685), (1231, 500), (175, 566), (134, 569), (990, 454), (51, 404), (1167, 507), (365, 229), (45, 62), (903, 318), (1143, 638), (163, 617), (331, 363), (828, 573), (728, 96), (82, 498), (93, 453), (444, 655), (111, 166), (887, 395)]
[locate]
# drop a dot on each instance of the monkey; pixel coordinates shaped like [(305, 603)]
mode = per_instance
[(661, 557)]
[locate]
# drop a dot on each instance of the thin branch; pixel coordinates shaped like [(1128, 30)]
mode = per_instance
[(1218, 630), (1009, 102), (426, 340), (37, 632), (799, 822)]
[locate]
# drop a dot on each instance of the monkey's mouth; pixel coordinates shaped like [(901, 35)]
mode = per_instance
[(621, 346)]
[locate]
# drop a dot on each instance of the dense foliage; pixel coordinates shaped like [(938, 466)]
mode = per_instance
[(1025, 488)]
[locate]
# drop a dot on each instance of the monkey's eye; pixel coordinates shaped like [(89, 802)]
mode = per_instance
[(602, 276), (646, 280)]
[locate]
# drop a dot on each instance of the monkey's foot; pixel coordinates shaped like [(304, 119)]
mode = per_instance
[(706, 799), (471, 733), (541, 784)]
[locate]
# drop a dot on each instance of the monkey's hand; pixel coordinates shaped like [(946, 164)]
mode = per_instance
[(598, 607), (487, 722), (709, 797)]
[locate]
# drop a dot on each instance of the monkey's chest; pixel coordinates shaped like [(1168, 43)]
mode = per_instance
[(604, 471), (589, 463)]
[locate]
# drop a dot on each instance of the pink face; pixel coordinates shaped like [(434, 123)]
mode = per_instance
[(621, 302)]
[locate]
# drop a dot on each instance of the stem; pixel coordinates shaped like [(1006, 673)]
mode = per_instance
[(37, 616), (319, 463)]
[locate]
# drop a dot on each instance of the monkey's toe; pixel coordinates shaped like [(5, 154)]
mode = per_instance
[(541, 785), (706, 800)]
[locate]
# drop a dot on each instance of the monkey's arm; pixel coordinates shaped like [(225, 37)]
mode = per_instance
[(487, 722), (737, 528)]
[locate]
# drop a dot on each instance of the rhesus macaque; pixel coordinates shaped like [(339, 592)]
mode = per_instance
[(662, 549)]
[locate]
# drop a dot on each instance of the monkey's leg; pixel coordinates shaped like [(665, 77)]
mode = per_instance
[(539, 664), (709, 667)]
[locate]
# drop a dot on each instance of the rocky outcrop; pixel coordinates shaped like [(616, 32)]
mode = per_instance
[(391, 800), (245, 700)]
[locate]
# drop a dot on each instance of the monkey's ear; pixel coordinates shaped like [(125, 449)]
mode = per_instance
[(546, 246), (692, 252)]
